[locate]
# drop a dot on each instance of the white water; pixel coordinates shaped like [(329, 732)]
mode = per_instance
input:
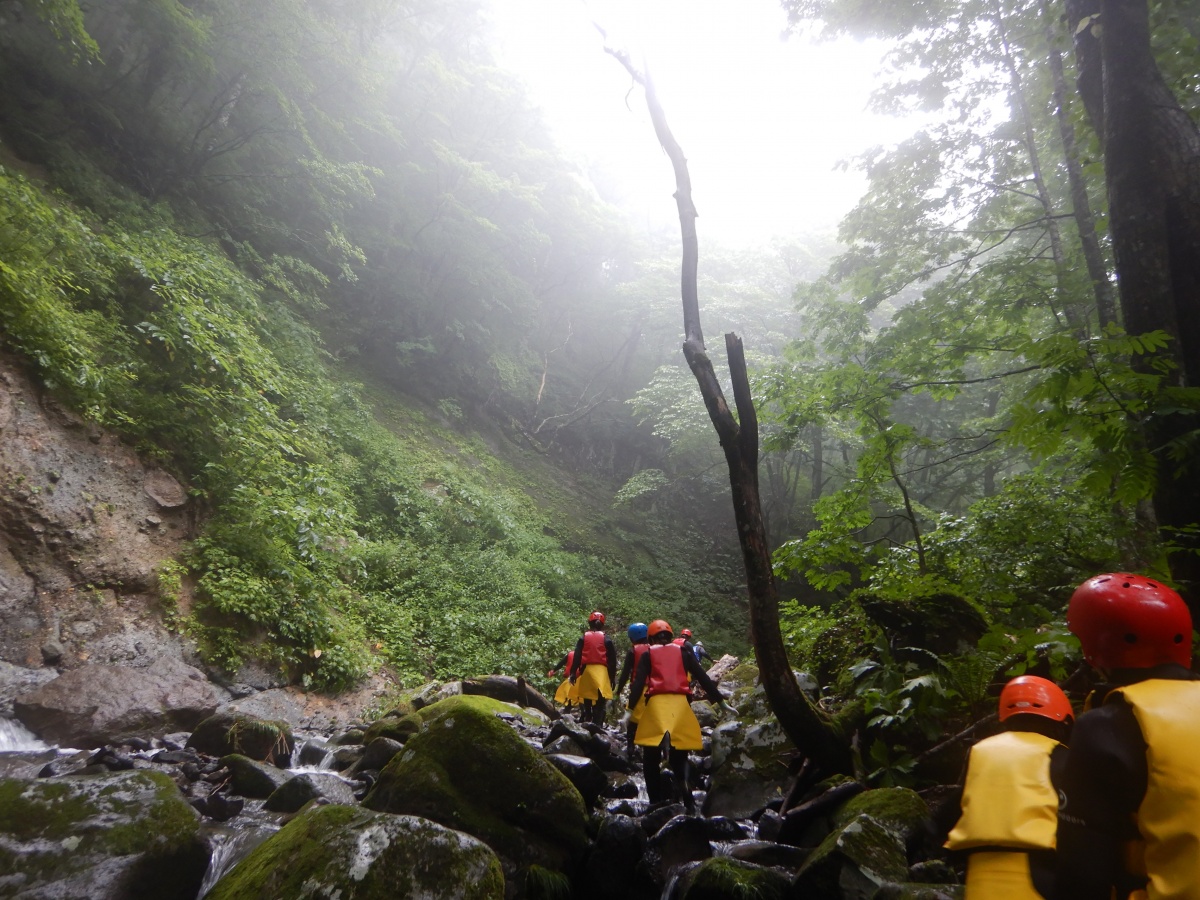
[(16, 738), (230, 847)]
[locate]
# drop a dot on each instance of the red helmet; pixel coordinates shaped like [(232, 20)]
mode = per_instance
[(658, 626), (1130, 622), (686, 633), (596, 617), (1034, 696)]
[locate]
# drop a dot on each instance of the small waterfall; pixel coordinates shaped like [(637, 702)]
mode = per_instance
[(16, 738), (230, 846)]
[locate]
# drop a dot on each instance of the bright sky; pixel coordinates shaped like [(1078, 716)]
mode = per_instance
[(763, 120)]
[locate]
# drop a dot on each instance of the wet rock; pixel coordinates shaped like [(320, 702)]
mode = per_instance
[(354, 854), (116, 836), (232, 732), (723, 878), (220, 807), (395, 728), (620, 786), (345, 757), (655, 819), (104, 704), (720, 828), (769, 825), (748, 769), (767, 853), (899, 810), (294, 793), (933, 871), (921, 892), (350, 736), (634, 808), (313, 753), (853, 862), (583, 773), (378, 754), (683, 839), (564, 746), (18, 680), (468, 770), (251, 778), (611, 868)]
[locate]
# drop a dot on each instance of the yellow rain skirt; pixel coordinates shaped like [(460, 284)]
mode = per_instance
[(1000, 875), (566, 693), (635, 714), (593, 683), (669, 714)]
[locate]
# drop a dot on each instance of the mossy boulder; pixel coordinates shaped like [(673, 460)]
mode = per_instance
[(468, 770), (748, 767), (939, 622), (224, 733), (116, 836), (852, 862), (349, 853), (394, 728), (251, 778), (723, 878), (900, 810), (921, 892), (296, 792)]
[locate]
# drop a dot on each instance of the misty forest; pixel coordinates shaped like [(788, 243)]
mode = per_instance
[(413, 389)]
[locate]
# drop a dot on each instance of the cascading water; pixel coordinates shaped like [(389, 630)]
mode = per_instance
[(16, 738)]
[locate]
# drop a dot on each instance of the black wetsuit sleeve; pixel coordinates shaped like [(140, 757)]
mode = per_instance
[(693, 667), (1103, 784), (610, 653), (626, 671), (578, 664), (640, 677)]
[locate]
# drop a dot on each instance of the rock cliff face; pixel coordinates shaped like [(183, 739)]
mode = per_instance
[(84, 525)]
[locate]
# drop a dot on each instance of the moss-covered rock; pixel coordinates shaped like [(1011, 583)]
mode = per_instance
[(748, 767), (853, 862), (119, 835), (722, 878), (939, 622), (921, 892), (394, 728), (296, 792), (349, 853), (224, 733), (899, 810), (469, 771), (251, 778)]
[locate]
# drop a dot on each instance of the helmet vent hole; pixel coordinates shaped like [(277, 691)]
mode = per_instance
[(1179, 638), (1131, 638), (1126, 584)]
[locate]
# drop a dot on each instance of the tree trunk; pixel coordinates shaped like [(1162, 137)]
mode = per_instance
[(806, 726), (1152, 163)]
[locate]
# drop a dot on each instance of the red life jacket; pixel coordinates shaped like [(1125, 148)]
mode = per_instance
[(679, 642), (639, 650), (594, 653), (570, 661), (667, 674)]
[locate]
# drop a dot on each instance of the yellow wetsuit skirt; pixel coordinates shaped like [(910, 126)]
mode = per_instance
[(1000, 875), (635, 714), (669, 714), (566, 693), (593, 683)]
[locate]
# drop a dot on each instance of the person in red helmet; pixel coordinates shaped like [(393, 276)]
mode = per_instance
[(594, 670), (662, 675), (566, 694), (1129, 813), (1010, 795)]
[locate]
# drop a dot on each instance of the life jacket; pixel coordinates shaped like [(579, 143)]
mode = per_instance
[(667, 674), (1008, 800), (570, 660), (594, 653), (679, 641), (1168, 713), (639, 650)]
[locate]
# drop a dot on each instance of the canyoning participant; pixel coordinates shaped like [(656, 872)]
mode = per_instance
[(594, 670), (638, 646), (662, 675), (1010, 796), (566, 695), (1129, 823)]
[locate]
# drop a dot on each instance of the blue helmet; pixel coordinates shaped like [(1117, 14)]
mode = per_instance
[(638, 632)]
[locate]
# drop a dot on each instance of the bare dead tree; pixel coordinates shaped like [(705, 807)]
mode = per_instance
[(807, 726)]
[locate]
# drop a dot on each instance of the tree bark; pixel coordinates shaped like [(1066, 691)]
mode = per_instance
[(1152, 164), (806, 726)]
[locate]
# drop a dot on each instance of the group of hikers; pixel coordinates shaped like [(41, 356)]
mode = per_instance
[(1057, 806), (1106, 804), (662, 668)]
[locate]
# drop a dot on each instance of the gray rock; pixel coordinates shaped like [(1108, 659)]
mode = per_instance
[(251, 778), (853, 862), (116, 836), (294, 793), (378, 754), (354, 854), (683, 839), (106, 704), (746, 769), (163, 489), (231, 732), (611, 868), (587, 777), (18, 680), (768, 853)]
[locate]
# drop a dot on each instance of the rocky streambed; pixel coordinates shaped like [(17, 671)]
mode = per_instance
[(469, 789)]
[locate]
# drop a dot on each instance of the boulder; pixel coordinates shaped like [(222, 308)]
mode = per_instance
[(853, 862), (293, 794), (611, 868), (941, 622), (683, 839), (251, 778), (511, 690), (348, 853), (231, 732), (396, 728), (105, 704), (18, 680), (587, 777), (721, 878), (469, 771), (378, 754), (748, 768), (117, 836), (900, 810), (921, 892)]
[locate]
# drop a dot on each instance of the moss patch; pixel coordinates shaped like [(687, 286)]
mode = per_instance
[(899, 810), (468, 770), (722, 878), (353, 854)]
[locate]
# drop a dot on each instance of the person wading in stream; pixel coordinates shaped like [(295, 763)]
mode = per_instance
[(594, 670), (662, 675), (1129, 821), (1010, 797), (639, 645)]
